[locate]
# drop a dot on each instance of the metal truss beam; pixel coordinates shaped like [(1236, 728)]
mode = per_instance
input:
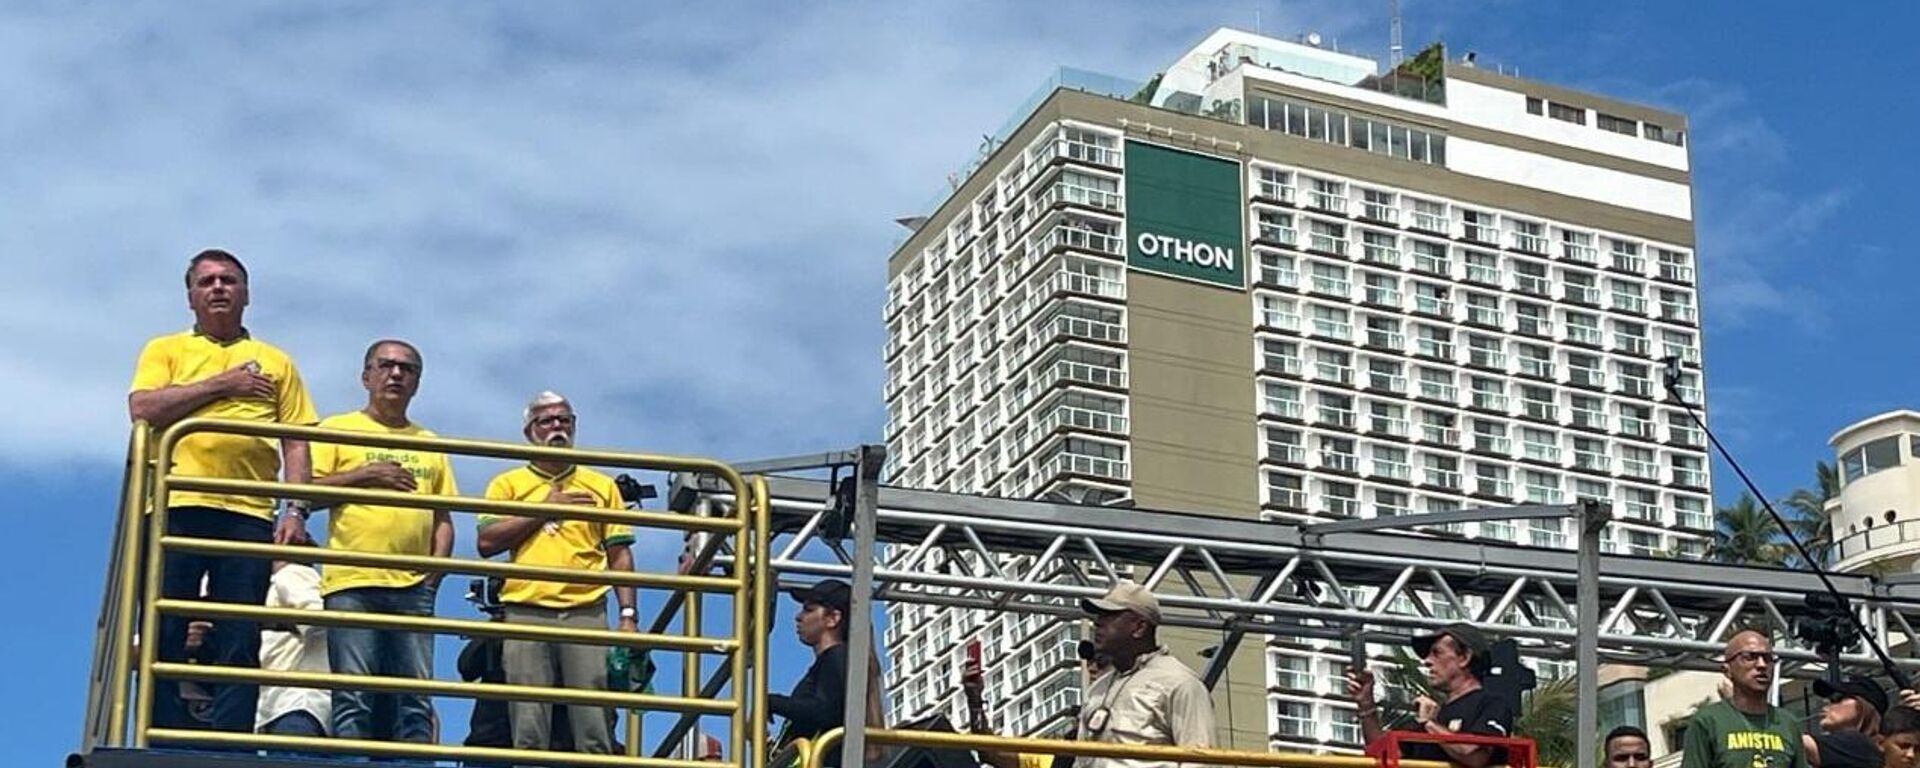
[(1650, 610)]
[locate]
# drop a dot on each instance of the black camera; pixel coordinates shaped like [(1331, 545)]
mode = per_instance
[(1828, 625), (635, 492), (484, 593)]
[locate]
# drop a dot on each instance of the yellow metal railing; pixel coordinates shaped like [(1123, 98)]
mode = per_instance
[(134, 602), (821, 746), (106, 712)]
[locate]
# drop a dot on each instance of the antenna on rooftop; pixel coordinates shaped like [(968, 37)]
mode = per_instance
[(1395, 50)]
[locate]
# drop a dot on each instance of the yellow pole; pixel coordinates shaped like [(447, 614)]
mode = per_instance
[(690, 672), (742, 628), (762, 560), (129, 586), (150, 593)]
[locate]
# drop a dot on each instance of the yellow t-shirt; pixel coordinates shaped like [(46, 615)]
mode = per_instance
[(187, 358), (562, 543), (377, 528)]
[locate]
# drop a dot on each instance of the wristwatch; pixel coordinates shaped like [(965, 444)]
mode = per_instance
[(627, 612), (300, 507)]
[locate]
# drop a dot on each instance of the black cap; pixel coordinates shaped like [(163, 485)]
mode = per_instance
[(1863, 688), (1848, 749), (828, 593), (1467, 635)]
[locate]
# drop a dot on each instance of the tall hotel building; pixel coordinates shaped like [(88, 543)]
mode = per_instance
[(1280, 281)]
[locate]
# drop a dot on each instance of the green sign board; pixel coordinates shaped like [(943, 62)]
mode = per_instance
[(1184, 215)]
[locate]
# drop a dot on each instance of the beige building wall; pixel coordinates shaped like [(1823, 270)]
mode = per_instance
[(1193, 451)]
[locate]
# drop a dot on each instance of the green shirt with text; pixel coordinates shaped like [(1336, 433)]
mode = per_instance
[(1720, 736)]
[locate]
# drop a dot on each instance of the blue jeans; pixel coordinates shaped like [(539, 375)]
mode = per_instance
[(296, 723), (354, 651), (231, 642)]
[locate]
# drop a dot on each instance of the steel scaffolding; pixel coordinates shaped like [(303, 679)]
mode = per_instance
[(1245, 576)]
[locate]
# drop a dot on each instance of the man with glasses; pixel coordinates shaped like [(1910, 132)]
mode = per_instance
[(1744, 730), (556, 543), (390, 372), (1627, 747), (1148, 697)]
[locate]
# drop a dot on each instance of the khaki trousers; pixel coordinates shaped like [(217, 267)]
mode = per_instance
[(532, 662)]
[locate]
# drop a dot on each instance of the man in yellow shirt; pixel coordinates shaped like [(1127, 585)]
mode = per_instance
[(219, 370), (549, 420), (390, 371)]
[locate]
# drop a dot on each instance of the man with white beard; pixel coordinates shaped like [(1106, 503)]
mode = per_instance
[(535, 540)]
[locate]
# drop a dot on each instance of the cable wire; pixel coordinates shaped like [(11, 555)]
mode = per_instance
[(1672, 377)]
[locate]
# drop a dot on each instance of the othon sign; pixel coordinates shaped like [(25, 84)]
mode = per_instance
[(1184, 215)]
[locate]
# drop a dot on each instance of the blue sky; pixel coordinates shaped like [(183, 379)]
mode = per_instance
[(680, 217)]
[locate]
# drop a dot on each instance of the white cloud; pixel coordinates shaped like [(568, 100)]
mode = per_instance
[(1757, 218), (680, 218)]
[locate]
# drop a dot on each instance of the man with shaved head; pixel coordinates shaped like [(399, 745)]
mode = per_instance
[(1744, 730)]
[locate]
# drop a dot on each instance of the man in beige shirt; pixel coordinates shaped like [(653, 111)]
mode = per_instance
[(1149, 697)]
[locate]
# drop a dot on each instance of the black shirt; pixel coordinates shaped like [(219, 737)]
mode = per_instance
[(1478, 712), (819, 701)]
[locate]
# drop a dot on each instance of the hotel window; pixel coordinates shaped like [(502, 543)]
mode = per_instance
[(1386, 376), (1542, 487), (1483, 268), (1437, 384), (1489, 394), (1279, 269), (1486, 351), (1591, 455), (1432, 299), (1442, 472), (1331, 280), (1333, 365), (1538, 402), (1535, 359), (1331, 323), (1480, 226), (1570, 114), (1381, 290), (1585, 370), (1341, 499), (1439, 427), (1391, 463), (1618, 125), (1280, 357), (1581, 287), (1284, 445), (1433, 341), (1384, 333), (1430, 257), (1662, 134)]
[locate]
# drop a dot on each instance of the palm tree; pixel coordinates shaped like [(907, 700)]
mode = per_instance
[(1809, 522), (1744, 534), (1549, 715)]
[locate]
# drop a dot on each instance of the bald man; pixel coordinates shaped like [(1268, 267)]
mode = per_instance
[(1744, 730)]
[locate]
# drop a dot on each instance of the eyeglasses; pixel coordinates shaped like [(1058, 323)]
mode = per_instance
[(1752, 657), (389, 366), (556, 420)]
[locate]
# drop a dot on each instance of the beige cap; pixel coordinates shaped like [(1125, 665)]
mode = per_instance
[(1126, 596)]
